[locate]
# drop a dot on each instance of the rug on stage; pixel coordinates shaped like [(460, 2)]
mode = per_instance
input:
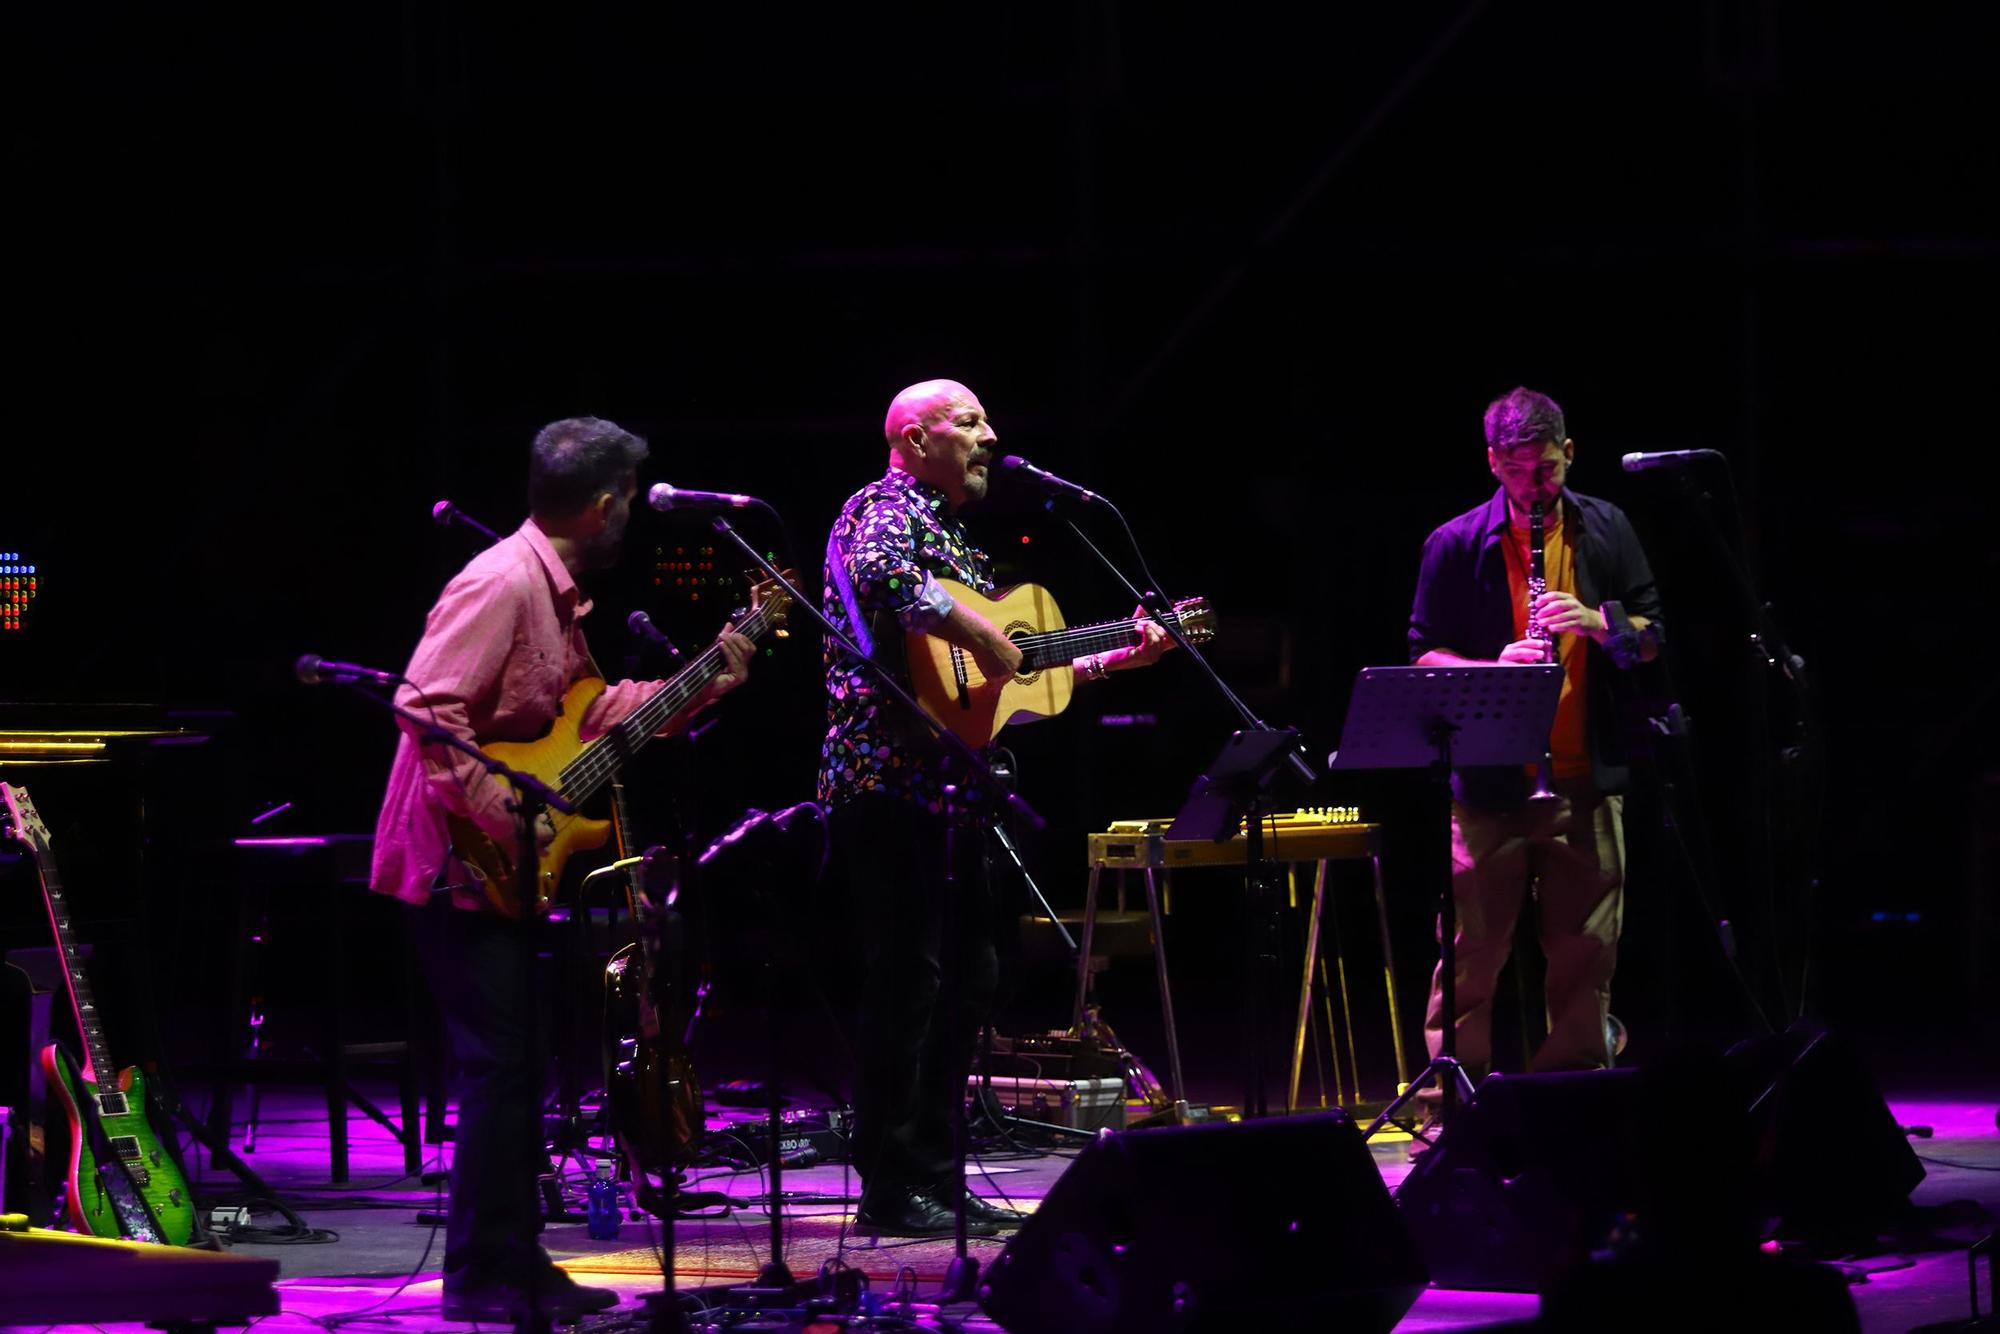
[(735, 1249)]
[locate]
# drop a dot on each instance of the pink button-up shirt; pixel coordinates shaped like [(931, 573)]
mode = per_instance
[(503, 643)]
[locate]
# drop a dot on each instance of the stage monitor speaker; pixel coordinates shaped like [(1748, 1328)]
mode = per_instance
[(1694, 1156), (1833, 1167), (1270, 1225), (1528, 1177)]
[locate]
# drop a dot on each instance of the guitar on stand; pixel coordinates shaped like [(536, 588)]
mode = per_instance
[(649, 1079), (123, 1181)]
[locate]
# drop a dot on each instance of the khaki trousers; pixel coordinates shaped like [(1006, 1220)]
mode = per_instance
[(1567, 858)]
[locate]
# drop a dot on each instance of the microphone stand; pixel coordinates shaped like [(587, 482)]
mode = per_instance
[(1773, 651), (532, 797), (533, 794), (1262, 923), (1159, 609), (990, 1110), (961, 1279)]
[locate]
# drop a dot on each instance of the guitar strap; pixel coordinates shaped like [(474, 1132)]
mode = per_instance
[(857, 624), (861, 627)]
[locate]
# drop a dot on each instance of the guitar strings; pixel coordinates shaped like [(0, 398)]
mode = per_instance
[(581, 776), (1082, 639)]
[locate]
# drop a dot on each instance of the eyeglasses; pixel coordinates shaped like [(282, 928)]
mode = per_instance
[(1527, 468)]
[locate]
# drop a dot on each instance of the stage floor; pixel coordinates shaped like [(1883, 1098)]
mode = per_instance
[(382, 1271)]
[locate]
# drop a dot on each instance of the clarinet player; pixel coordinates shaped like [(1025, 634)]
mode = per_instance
[(1597, 613)]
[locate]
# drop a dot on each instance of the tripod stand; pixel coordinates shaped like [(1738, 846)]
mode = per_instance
[(1432, 718), (768, 848), (1251, 756)]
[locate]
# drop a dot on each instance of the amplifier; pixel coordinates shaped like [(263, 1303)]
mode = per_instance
[(1080, 1104)]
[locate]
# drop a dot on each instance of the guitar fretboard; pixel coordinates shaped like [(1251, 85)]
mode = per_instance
[(1059, 648), (96, 1051), (583, 775)]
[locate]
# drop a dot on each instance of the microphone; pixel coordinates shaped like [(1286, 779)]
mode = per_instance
[(642, 627), (313, 670), (446, 514), (1668, 458), (663, 498), (1047, 481)]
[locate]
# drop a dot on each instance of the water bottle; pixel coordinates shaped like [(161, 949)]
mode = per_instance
[(603, 1211)]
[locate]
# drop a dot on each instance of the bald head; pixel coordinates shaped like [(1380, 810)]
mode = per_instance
[(937, 432), (922, 405)]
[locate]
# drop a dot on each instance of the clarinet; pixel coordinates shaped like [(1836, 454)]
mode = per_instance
[(1538, 584)]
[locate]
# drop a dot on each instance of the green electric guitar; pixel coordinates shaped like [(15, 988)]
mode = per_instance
[(122, 1181)]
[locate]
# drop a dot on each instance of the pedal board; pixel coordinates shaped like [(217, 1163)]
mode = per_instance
[(804, 1137)]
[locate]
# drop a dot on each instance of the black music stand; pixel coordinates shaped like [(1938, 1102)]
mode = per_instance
[(1225, 798), (1432, 718)]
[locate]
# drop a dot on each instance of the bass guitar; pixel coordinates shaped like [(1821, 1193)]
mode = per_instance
[(576, 771), (952, 689), (123, 1182)]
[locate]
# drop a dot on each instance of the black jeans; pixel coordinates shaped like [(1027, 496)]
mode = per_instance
[(910, 1089), (478, 966)]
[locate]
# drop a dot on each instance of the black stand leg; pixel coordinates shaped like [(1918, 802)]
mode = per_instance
[(962, 1277), (775, 1277), (1261, 929), (1444, 1069)]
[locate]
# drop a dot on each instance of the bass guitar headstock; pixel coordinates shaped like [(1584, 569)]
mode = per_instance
[(1197, 619), (770, 601)]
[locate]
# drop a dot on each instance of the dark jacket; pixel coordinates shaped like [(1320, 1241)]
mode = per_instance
[(1464, 605)]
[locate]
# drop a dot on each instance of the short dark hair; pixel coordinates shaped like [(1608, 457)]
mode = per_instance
[(1523, 417), (578, 459)]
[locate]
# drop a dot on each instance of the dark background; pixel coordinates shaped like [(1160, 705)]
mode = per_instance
[(282, 279)]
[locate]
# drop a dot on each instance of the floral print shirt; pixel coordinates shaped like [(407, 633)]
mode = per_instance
[(894, 538)]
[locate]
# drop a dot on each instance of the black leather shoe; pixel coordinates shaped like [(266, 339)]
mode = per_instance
[(475, 1295), (917, 1213), (982, 1211)]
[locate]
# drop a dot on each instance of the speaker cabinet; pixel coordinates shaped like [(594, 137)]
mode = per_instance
[(1694, 1156), (1527, 1178), (1270, 1225)]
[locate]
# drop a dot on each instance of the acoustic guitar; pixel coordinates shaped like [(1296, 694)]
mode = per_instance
[(952, 689)]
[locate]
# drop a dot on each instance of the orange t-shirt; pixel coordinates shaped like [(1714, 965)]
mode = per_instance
[(1569, 751)]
